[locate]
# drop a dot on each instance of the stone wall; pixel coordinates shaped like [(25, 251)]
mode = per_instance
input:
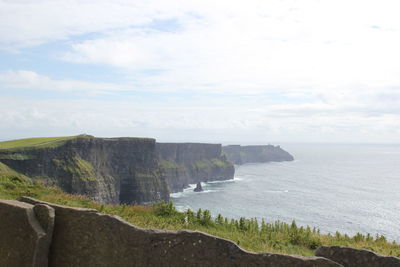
[(25, 233), (39, 234), (84, 237), (350, 257)]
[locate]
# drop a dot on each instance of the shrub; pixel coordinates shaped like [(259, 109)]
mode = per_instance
[(165, 209)]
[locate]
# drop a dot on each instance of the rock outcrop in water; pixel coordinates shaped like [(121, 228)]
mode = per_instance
[(190, 163), (109, 170), (198, 188), (238, 154), (85, 237)]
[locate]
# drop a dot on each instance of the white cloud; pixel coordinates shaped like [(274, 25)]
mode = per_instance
[(331, 65), (24, 79), (364, 115), (121, 53), (192, 121), (24, 23), (258, 47)]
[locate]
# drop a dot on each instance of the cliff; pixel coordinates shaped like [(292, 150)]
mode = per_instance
[(190, 163), (238, 154), (109, 170), (116, 170)]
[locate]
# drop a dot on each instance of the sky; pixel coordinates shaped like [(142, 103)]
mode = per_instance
[(201, 71)]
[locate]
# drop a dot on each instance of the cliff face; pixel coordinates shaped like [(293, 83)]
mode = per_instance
[(190, 163), (109, 170), (251, 154)]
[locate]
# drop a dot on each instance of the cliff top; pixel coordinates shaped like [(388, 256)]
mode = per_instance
[(44, 142), (38, 142)]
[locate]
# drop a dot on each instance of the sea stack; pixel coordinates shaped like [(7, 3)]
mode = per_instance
[(198, 187)]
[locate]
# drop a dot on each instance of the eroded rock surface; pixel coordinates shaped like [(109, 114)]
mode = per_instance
[(198, 188), (121, 170), (109, 170), (84, 237), (25, 233), (190, 163), (238, 154), (350, 257)]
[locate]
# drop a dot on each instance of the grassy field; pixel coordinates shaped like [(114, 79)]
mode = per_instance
[(38, 142), (249, 234)]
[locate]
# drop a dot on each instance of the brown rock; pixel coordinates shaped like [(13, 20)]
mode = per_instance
[(84, 237), (24, 238), (350, 257)]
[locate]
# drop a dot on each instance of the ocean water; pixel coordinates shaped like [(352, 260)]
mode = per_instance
[(349, 188)]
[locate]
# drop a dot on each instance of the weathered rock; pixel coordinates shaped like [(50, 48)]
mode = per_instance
[(350, 257), (84, 237), (25, 233), (238, 154), (198, 188), (189, 163), (109, 170)]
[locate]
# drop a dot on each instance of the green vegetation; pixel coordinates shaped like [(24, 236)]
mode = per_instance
[(206, 164), (7, 171), (16, 156), (210, 163), (250, 234), (15, 185), (256, 236), (202, 164), (77, 167), (167, 164), (39, 142), (220, 163)]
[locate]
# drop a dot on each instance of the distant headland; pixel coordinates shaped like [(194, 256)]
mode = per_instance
[(238, 154)]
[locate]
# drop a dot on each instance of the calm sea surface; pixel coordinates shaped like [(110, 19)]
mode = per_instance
[(349, 188)]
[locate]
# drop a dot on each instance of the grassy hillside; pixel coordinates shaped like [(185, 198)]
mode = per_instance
[(250, 234), (38, 142)]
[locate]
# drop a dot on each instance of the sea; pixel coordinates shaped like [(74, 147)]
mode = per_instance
[(348, 188)]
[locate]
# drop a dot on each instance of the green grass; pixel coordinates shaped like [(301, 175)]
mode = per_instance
[(250, 234), (13, 186), (16, 156), (210, 163), (38, 142), (5, 170), (78, 167)]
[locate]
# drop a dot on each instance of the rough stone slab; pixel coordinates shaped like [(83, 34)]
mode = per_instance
[(25, 239), (350, 257), (85, 238), (188, 248)]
